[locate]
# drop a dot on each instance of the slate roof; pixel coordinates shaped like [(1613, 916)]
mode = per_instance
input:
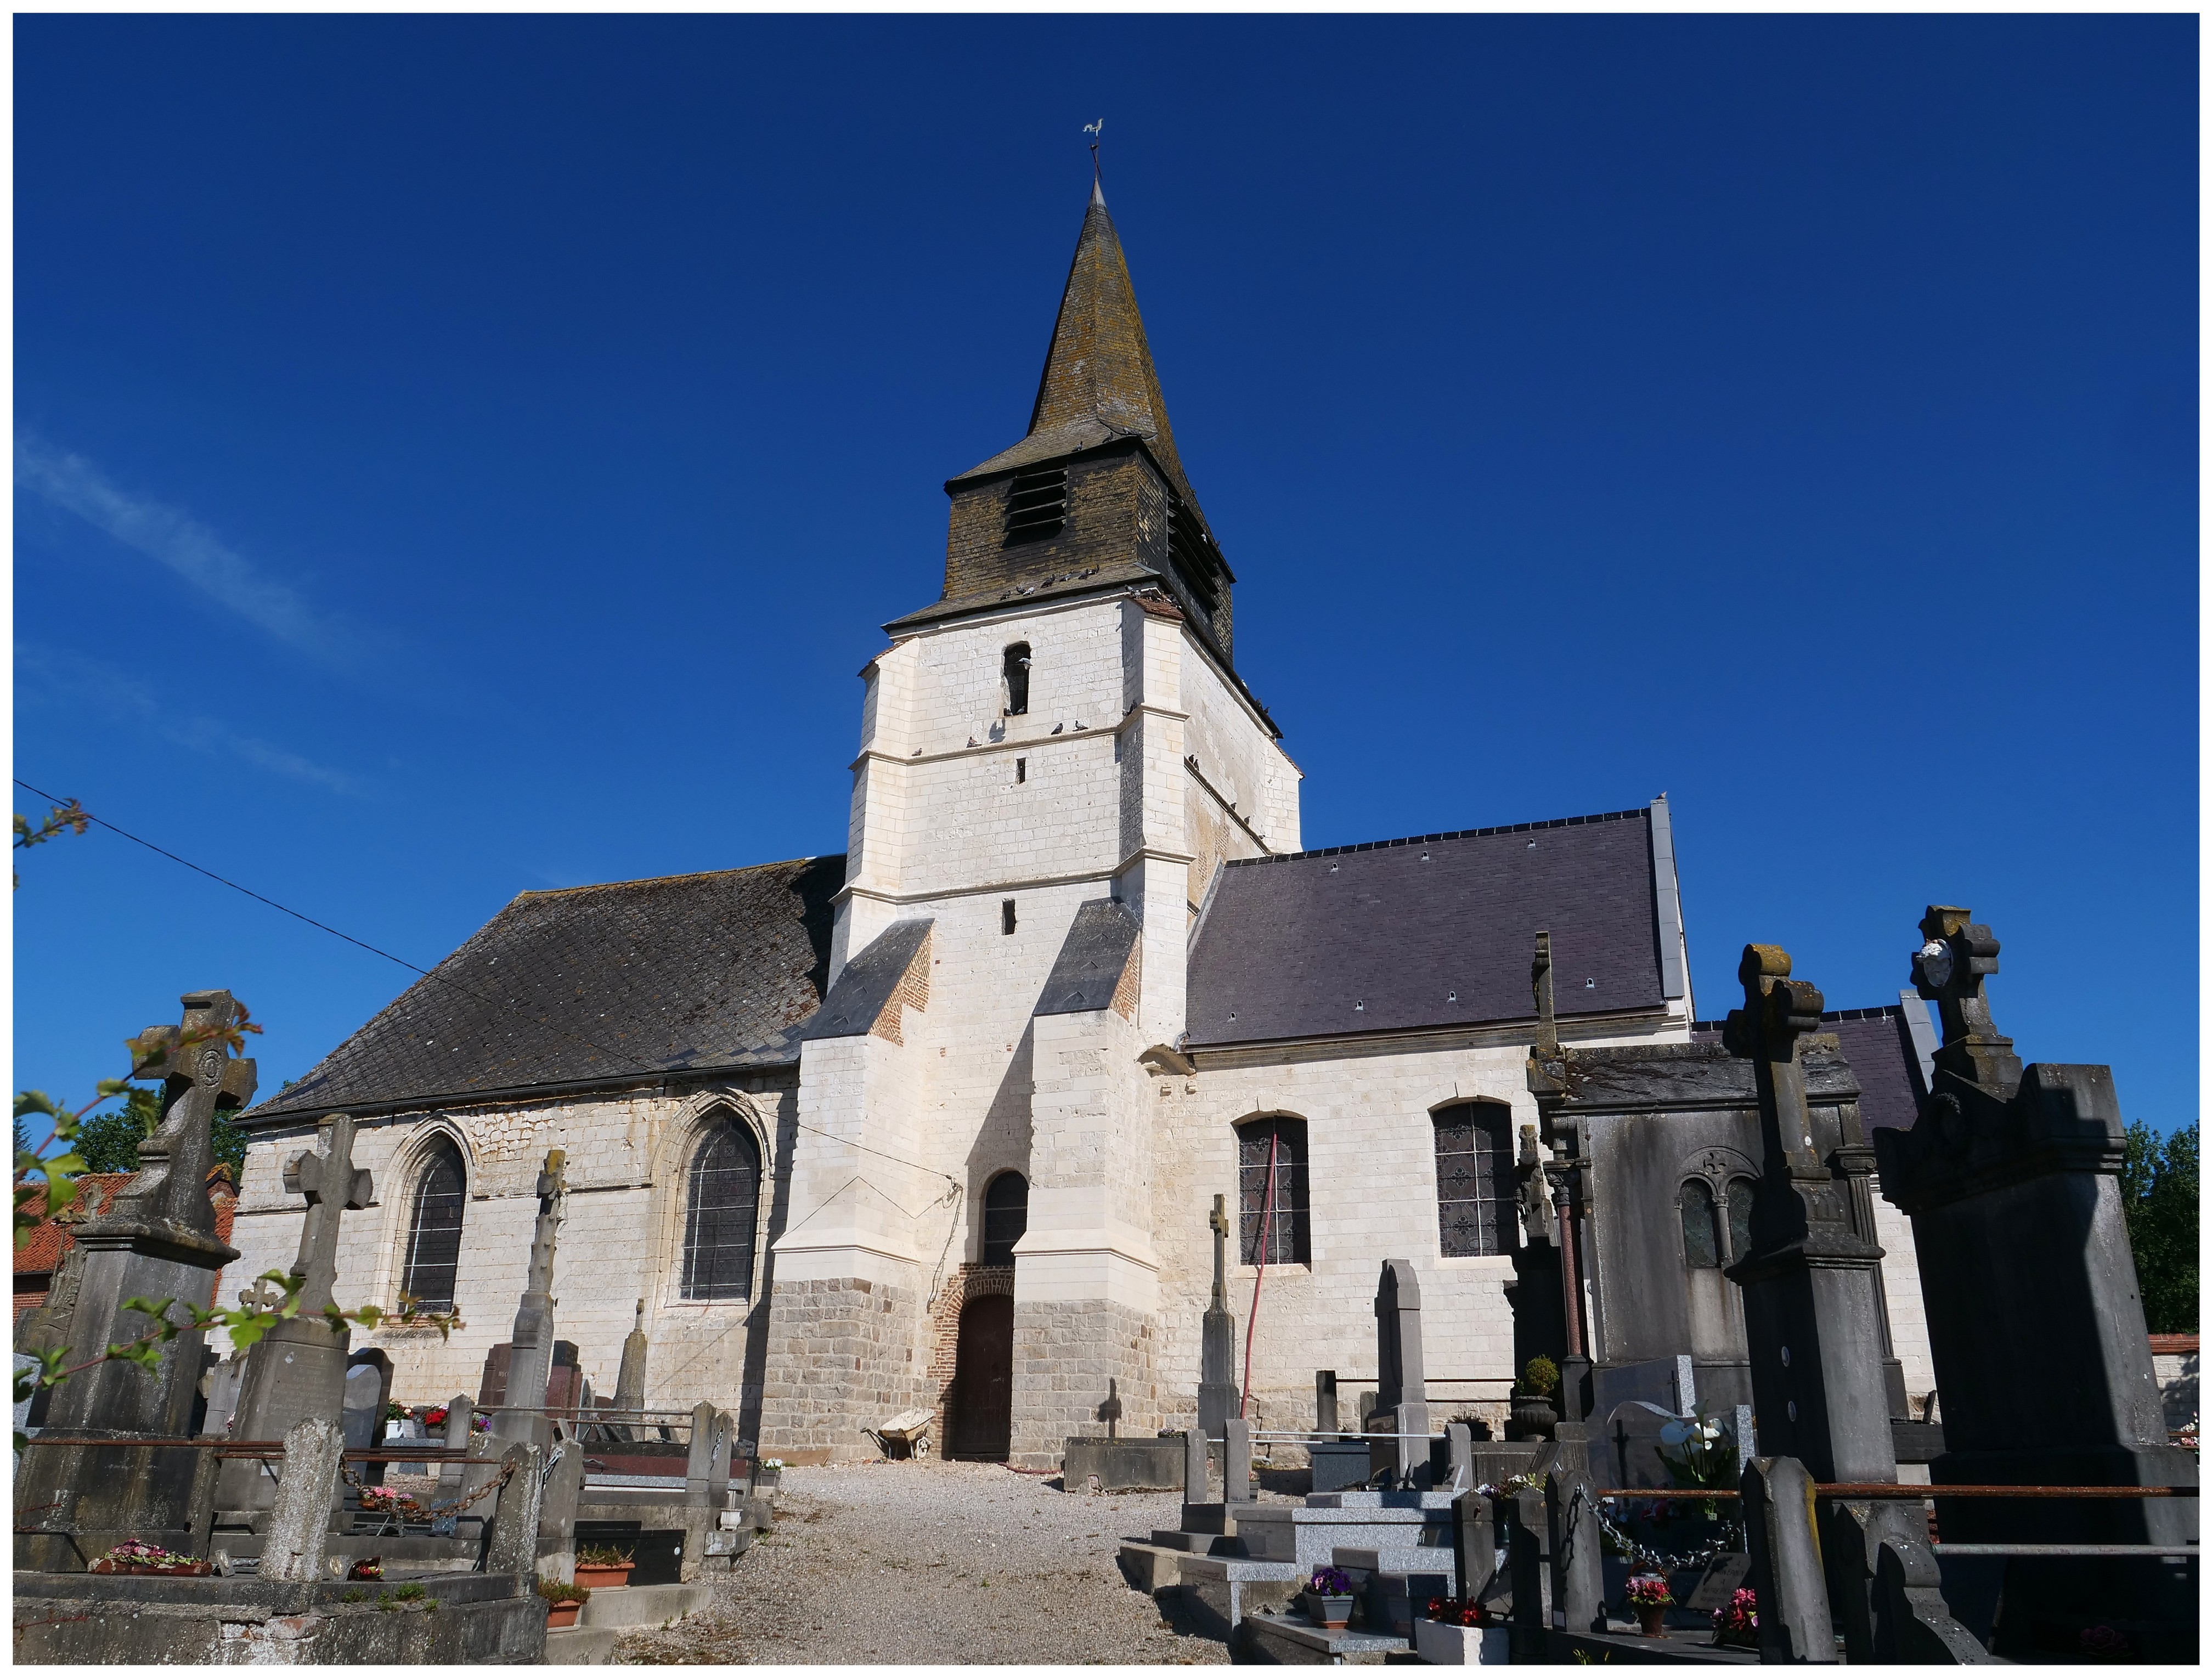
[(691, 972), (1099, 382), (1091, 961), (1438, 931), (1878, 1044), (865, 987)]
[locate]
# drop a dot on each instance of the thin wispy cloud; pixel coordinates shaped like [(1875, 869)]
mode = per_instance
[(176, 539), (45, 677)]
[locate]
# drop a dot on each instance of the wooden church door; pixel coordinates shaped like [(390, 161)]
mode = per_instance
[(983, 1413)]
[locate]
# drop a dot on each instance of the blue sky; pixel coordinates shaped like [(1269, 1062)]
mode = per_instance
[(458, 457)]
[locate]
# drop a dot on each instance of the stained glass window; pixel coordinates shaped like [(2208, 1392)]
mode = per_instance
[(1740, 1191), (1701, 1230), (721, 1213), (1277, 1203), (1474, 1180), (434, 1229)]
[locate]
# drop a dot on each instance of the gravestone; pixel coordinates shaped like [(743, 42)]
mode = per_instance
[(1795, 1626), (298, 1368), (1324, 1401), (1577, 1555), (1813, 1316), (361, 1405), (300, 1513), (1236, 1461), (629, 1382), (2010, 1176), (460, 1428), (1217, 1355), (155, 1240), (530, 1369), (1402, 1407)]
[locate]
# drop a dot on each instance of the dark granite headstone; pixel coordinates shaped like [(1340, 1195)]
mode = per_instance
[(2034, 1322)]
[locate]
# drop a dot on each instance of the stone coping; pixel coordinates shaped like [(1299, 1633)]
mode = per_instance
[(1308, 1644), (1240, 1570), (240, 1591)]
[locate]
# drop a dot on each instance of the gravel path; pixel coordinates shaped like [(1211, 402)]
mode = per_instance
[(909, 1562)]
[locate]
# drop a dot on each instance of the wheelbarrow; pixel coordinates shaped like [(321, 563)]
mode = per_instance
[(905, 1434)]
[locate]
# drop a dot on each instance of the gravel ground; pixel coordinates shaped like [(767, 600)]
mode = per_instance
[(928, 1562)]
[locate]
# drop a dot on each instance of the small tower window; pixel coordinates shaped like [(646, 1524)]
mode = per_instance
[(1021, 771), (1005, 1216), (1037, 505), (1017, 677), (1007, 917)]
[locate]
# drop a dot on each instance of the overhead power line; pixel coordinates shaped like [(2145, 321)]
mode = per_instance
[(448, 978)]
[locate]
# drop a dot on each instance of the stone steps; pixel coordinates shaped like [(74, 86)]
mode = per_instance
[(581, 1645)]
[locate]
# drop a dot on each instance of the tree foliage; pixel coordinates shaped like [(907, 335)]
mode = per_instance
[(2157, 1187), (110, 1142)]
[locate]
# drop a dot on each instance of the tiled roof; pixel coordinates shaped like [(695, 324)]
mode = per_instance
[(95, 1192), (693, 972), (1426, 932), (1878, 1044)]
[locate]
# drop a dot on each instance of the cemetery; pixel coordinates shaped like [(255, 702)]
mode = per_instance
[(1708, 1500)]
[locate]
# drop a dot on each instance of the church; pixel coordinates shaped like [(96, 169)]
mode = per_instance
[(941, 1123)]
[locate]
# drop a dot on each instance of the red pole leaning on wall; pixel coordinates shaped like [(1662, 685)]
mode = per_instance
[(1251, 1317)]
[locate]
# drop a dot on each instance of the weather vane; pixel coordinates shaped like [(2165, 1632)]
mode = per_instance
[(1099, 129)]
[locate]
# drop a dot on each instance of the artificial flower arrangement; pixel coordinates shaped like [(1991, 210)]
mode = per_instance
[(383, 1500), (435, 1416), (1739, 1620), (1649, 1590), (135, 1555), (773, 1464), (1328, 1598), (1458, 1611)]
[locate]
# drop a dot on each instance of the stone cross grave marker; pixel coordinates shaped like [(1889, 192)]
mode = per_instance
[(629, 1381), (530, 1371), (298, 1369), (1217, 1360)]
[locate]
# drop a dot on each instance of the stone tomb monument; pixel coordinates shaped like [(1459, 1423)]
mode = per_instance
[(530, 1371), (1217, 1356), (155, 1241), (1401, 1380), (2011, 1179), (1814, 1318)]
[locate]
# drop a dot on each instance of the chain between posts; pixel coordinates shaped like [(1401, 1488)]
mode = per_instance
[(506, 1473)]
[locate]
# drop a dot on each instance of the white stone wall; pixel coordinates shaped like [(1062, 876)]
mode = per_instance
[(1908, 1311), (620, 1241)]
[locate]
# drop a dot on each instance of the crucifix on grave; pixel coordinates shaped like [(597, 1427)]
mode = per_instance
[(298, 1369), (1217, 1360), (1812, 1300), (530, 1369), (154, 1240), (1948, 969)]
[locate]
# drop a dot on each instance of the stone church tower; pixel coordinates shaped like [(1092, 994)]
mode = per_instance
[(939, 1123), (1055, 759)]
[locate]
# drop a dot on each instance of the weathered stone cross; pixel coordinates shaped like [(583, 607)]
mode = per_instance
[(1948, 970), (1778, 1011), (530, 1369), (1219, 1220), (333, 1186)]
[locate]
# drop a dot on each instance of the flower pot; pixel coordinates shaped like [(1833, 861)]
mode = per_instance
[(594, 1577), (1653, 1618), (767, 1480), (1333, 1613), (559, 1616), (1532, 1417)]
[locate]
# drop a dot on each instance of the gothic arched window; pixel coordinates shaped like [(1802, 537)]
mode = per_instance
[(1005, 1216), (1474, 1180), (1276, 1201), (721, 1210), (433, 1227), (1740, 1191), (1701, 1230)]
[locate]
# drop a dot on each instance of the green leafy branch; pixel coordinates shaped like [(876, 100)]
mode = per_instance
[(70, 818), (245, 1324)]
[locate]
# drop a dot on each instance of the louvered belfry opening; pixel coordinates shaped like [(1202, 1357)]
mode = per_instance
[(1474, 1180), (1190, 549), (721, 1215), (433, 1231), (1036, 508)]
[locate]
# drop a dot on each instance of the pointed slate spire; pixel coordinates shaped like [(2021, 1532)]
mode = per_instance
[(1100, 367)]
